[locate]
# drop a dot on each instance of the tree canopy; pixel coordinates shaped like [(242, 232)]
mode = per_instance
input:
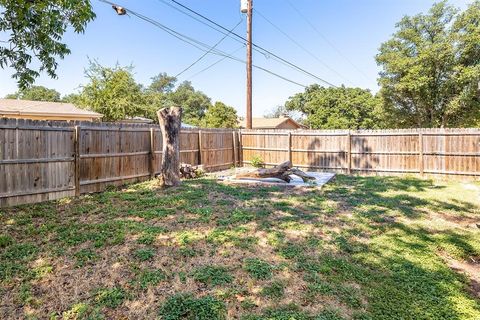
[(35, 30), (431, 69), (220, 116), (336, 108), (36, 93), (112, 92)]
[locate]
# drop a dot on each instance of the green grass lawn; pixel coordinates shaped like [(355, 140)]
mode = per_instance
[(361, 248)]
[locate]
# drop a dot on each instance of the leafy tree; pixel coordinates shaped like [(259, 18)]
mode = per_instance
[(35, 30), (431, 69), (220, 116), (336, 108), (281, 111), (112, 92), (36, 93), (162, 83), (194, 103)]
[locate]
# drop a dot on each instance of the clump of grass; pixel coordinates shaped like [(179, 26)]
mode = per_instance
[(258, 269), (185, 306), (110, 297), (274, 290), (84, 257), (149, 277), (144, 254), (212, 275), (5, 241)]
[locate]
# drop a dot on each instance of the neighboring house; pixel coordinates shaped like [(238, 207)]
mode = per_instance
[(273, 123), (45, 110)]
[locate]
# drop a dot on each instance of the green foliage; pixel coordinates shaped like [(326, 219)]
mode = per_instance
[(110, 297), (144, 254), (162, 83), (257, 161), (274, 290), (85, 256), (148, 278), (35, 30), (431, 70), (220, 116), (336, 108), (36, 93), (187, 307), (5, 241), (257, 268), (194, 103), (112, 92), (212, 275)]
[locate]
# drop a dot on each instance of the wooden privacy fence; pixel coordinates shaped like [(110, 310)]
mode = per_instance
[(42, 160), (445, 152)]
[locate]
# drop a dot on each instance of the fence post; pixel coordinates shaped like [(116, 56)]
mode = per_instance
[(349, 152), (200, 149), (420, 154), (152, 153), (234, 137), (290, 147), (240, 148), (76, 147)]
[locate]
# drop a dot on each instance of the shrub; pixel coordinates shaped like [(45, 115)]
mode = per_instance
[(257, 161)]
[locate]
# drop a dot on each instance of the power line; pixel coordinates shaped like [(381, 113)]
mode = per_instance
[(215, 63), (299, 45), (196, 43), (209, 51), (326, 40), (256, 47)]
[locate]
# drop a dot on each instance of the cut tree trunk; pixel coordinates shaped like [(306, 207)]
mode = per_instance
[(170, 124), (282, 171)]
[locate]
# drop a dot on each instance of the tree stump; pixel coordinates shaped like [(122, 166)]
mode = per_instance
[(282, 171), (170, 120)]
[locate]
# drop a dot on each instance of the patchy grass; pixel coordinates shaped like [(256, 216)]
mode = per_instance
[(361, 248)]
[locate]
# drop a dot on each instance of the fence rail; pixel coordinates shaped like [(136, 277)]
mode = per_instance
[(42, 160), (445, 152)]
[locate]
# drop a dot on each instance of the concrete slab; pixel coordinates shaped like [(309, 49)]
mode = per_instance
[(321, 178)]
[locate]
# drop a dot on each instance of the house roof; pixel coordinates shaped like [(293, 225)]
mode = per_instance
[(43, 108), (268, 123)]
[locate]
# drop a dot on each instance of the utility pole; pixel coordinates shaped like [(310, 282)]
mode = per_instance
[(249, 12)]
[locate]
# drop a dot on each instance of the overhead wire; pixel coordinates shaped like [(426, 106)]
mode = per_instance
[(299, 45), (207, 52), (196, 43), (321, 35), (255, 46)]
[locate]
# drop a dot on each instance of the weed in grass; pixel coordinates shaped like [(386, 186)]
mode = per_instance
[(84, 257), (291, 251), (149, 277), (144, 254), (110, 297), (329, 314), (248, 304), (235, 217), (188, 307), (76, 312), (20, 251), (257, 268), (274, 290), (288, 312), (5, 241), (235, 237), (147, 239), (212, 275)]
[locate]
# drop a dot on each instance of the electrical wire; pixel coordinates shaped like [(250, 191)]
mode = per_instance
[(196, 43), (299, 45), (321, 35), (209, 51), (256, 47)]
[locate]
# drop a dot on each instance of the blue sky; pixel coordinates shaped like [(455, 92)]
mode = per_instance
[(350, 33)]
